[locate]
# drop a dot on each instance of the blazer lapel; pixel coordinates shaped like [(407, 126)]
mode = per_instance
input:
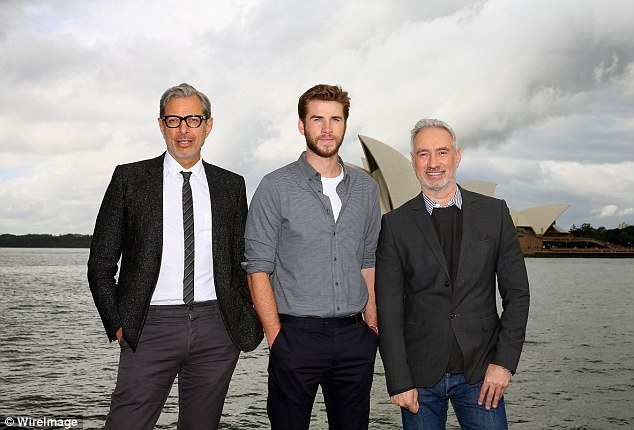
[(218, 209), (468, 220), (424, 223), (152, 200)]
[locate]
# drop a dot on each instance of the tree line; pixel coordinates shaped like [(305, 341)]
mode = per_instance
[(618, 236), (45, 241)]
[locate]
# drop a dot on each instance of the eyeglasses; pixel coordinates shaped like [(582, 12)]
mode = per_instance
[(174, 121)]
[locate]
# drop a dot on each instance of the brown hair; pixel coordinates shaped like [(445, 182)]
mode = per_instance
[(326, 93)]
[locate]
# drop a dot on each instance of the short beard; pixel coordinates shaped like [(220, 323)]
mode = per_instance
[(324, 153), (451, 180), (177, 155)]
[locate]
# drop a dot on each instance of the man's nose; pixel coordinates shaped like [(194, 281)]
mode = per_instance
[(183, 128)]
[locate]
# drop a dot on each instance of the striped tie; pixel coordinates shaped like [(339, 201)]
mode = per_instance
[(188, 230)]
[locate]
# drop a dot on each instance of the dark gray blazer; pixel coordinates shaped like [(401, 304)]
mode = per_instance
[(130, 226), (416, 309)]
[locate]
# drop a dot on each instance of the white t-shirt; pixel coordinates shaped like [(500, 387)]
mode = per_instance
[(330, 190)]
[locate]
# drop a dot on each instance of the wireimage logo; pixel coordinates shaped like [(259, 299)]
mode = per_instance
[(26, 422)]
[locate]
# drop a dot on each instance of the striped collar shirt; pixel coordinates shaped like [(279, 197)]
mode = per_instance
[(455, 200)]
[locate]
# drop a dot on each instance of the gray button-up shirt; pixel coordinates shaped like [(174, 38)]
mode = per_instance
[(314, 262)]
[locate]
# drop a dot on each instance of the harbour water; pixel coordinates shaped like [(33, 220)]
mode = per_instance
[(576, 372)]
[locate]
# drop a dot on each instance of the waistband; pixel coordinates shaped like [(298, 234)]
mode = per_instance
[(184, 308), (320, 322)]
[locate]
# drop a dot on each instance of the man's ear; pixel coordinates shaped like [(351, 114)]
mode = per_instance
[(300, 126), (209, 126)]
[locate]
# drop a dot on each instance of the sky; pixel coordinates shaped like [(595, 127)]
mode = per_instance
[(540, 93)]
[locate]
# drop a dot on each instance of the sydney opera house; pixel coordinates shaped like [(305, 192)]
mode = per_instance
[(536, 227)]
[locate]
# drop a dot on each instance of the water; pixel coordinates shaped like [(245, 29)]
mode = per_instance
[(576, 372)]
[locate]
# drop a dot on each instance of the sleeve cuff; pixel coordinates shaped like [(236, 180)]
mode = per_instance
[(252, 267)]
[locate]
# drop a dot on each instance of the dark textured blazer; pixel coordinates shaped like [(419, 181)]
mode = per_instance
[(418, 313), (130, 226)]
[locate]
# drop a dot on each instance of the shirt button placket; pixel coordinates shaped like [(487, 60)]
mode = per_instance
[(336, 272)]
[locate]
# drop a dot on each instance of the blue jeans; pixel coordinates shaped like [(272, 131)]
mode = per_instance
[(433, 403)]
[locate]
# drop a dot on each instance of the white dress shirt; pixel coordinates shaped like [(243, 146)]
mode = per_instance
[(169, 288)]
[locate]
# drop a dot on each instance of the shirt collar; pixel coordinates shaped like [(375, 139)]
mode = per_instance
[(310, 171), (455, 200), (173, 168)]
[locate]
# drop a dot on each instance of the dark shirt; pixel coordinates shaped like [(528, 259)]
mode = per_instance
[(447, 222)]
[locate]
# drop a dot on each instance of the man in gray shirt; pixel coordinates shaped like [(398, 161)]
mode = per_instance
[(310, 239)]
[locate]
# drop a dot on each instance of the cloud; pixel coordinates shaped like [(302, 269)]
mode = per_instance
[(610, 211), (607, 211), (543, 102)]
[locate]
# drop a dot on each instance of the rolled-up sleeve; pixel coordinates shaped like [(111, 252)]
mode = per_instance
[(262, 229), (373, 227)]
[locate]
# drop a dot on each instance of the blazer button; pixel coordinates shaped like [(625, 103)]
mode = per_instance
[(453, 316), (448, 284)]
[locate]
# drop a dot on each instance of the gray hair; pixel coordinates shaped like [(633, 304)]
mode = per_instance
[(432, 123), (184, 90)]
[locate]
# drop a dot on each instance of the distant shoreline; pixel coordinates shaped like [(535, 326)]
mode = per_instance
[(45, 241), (583, 253)]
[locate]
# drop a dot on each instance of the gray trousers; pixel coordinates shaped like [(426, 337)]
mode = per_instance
[(176, 340)]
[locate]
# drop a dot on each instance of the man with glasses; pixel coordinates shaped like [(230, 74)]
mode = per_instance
[(181, 304)]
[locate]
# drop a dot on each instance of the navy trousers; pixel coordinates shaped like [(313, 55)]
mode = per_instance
[(192, 343), (336, 353)]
